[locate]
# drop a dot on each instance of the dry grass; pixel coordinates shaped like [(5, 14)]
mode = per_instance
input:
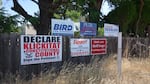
[(134, 71)]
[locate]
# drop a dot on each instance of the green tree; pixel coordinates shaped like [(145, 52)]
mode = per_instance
[(8, 23), (48, 8), (131, 15), (91, 9), (74, 15)]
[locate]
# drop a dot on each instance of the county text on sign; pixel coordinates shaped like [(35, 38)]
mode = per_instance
[(62, 27), (80, 47), (40, 49), (98, 46)]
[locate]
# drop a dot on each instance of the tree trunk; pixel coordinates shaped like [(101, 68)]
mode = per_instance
[(140, 14), (94, 11), (45, 17), (99, 4)]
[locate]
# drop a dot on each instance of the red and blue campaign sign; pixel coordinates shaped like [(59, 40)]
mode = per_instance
[(40, 49), (88, 29), (98, 46)]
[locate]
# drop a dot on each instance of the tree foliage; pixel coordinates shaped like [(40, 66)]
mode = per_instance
[(7, 23), (122, 15), (131, 15), (50, 8), (74, 15)]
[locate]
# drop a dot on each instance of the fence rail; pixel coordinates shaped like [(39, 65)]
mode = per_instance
[(10, 53)]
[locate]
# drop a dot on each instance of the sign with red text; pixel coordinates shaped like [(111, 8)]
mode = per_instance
[(98, 46), (40, 49), (80, 47)]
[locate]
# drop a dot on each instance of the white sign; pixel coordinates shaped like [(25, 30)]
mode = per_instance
[(40, 49), (111, 30), (80, 47), (62, 27)]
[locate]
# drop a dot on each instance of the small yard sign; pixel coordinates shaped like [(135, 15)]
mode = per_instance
[(62, 27), (98, 46), (111, 30), (88, 29), (80, 47)]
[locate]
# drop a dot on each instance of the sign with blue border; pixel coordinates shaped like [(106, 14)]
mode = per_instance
[(88, 29), (62, 27), (111, 30)]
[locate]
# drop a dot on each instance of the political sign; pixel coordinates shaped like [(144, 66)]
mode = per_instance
[(79, 47), (40, 49), (62, 27), (111, 30), (98, 46), (88, 29)]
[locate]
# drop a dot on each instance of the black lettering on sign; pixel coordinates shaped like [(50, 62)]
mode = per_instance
[(41, 39), (38, 39), (48, 39), (54, 39), (26, 39), (58, 39), (32, 39)]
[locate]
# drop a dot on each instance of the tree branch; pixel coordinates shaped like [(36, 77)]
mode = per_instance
[(18, 8), (99, 4), (35, 2)]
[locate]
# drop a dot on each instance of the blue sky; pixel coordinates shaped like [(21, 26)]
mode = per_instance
[(32, 7), (105, 9), (27, 5)]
